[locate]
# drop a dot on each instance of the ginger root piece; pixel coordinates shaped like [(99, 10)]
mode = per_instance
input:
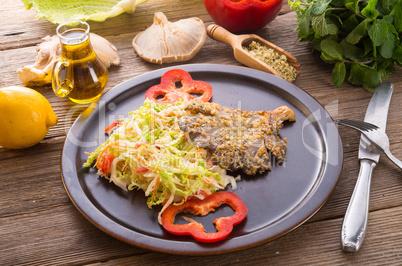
[(49, 51), (166, 42)]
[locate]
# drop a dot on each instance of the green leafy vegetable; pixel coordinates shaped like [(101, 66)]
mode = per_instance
[(361, 38), (338, 73), (59, 11), (369, 11)]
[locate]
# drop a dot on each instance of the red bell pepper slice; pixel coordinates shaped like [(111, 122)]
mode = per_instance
[(107, 163), (112, 125), (167, 88), (141, 169), (139, 144), (224, 225), (243, 15)]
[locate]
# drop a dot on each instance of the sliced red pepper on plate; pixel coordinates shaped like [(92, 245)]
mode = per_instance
[(167, 88), (107, 163), (141, 169), (224, 225), (243, 15), (112, 125), (139, 144)]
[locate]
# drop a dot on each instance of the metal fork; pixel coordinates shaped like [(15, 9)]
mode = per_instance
[(377, 137)]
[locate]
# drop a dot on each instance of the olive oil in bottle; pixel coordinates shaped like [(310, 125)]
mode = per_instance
[(79, 74)]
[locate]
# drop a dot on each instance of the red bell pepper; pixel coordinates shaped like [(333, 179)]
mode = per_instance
[(224, 225), (243, 15), (107, 163), (112, 125), (139, 144), (167, 88), (141, 169)]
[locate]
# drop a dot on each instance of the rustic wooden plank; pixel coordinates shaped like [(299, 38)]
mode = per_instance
[(67, 238), (303, 247), (31, 178), (14, 35), (57, 235)]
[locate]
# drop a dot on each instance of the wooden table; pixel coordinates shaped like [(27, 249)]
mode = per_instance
[(40, 225)]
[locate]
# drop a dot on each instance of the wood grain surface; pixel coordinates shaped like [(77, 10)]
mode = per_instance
[(39, 225)]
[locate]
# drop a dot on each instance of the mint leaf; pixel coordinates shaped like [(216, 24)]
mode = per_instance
[(351, 51), (332, 48), (387, 48), (338, 74), (350, 23), (355, 35), (398, 16), (356, 75), (397, 53), (332, 28), (319, 25), (353, 5), (369, 88), (385, 69), (369, 11), (304, 24), (361, 38), (385, 7), (327, 58), (378, 32), (337, 3), (317, 43), (371, 79), (388, 18), (319, 7), (368, 46)]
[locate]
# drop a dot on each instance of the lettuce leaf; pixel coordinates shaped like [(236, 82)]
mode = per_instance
[(59, 11)]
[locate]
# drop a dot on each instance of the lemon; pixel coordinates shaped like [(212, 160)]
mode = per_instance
[(25, 117)]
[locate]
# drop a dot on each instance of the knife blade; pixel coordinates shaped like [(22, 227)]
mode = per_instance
[(355, 221)]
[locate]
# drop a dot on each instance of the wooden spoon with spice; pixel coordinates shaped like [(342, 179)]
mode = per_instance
[(255, 52)]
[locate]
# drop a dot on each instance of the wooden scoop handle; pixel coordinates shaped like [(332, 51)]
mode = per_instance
[(218, 33)]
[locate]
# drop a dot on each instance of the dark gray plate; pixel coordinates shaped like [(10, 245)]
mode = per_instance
[(278, 201)]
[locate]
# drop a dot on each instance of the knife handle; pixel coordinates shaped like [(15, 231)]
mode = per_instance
[(355, 221)]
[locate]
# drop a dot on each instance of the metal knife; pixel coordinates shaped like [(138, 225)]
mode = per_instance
[(355, 221)]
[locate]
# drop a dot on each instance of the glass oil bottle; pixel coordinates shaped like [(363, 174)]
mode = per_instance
[(79, 74)]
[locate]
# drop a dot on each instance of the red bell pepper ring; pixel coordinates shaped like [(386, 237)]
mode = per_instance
[(167, 88), (107, 163), (224, 225), (243, 15)]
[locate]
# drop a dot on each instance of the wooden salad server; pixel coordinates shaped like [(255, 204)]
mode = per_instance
[(241, 55)]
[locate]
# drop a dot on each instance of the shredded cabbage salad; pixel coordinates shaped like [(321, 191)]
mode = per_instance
[(151, 153)]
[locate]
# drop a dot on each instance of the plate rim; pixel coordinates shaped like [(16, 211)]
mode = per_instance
[(81, 202)]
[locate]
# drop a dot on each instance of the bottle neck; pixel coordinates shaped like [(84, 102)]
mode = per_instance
[(77, 49)]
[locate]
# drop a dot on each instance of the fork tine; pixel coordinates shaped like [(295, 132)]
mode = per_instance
[(369, 126), (347, 123), (358, 124), (378, 138), (365, 126), (350, 123), (372, 127)]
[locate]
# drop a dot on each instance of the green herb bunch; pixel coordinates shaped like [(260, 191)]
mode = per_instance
[(362, 38)]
